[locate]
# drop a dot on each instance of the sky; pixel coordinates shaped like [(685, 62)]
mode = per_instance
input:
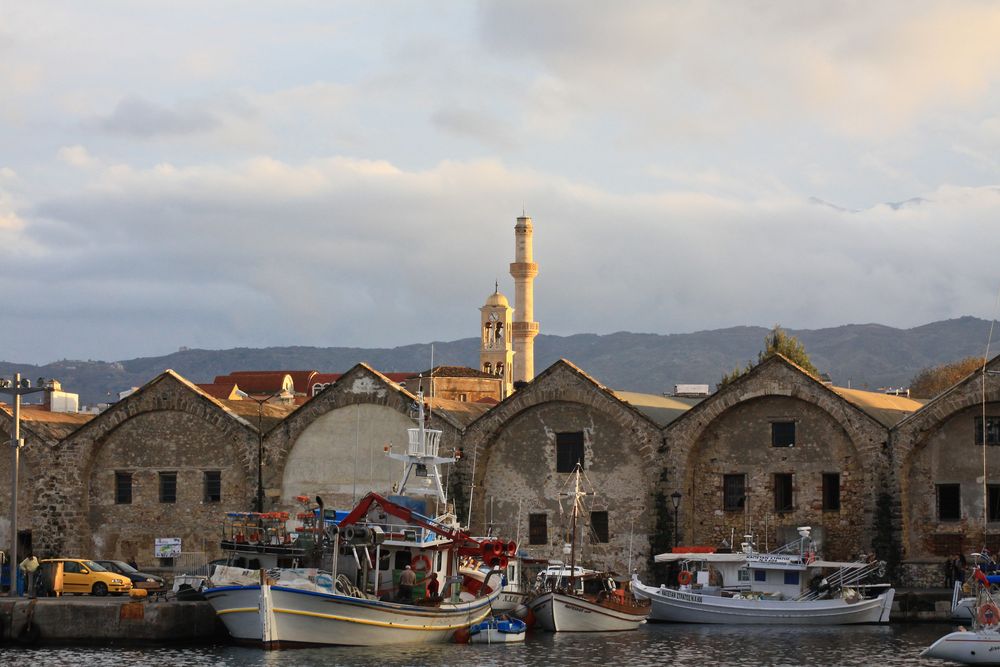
[(226, 174)]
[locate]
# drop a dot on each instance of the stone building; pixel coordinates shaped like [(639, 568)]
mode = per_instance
[(525, 450), (948, 482), (777, 449)]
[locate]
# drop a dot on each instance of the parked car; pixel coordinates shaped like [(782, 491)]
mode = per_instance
[(85, 576), (151, 582)]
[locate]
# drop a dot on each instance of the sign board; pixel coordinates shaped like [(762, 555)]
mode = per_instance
[(167, 547)]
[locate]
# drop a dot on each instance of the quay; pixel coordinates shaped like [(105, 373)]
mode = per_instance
[(87, 619), (80, 620)]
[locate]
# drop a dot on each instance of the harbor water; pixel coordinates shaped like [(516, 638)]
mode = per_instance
[(656, 645)]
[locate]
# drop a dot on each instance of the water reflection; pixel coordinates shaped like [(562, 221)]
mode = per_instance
[(653, 645)]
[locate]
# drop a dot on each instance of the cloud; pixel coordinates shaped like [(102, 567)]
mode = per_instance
[(76, 156), (339, 251), (137, 117)]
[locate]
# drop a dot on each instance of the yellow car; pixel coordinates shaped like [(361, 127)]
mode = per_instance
[(85, 576)]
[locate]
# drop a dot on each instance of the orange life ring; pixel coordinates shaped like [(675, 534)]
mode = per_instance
[(684, 577), (988, 614), (421, 558)]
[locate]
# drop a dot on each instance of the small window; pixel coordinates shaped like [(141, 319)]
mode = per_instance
[(599, 526), (403, 559), (791, 578), (831, 492), (993, 502), (783, 492), (538, 529), (760, 575), (743, 574), (213, 486), (123, 488), (569, 451), (992, 430), (782, 434), (734, 492), (168, 487), (949, 502)]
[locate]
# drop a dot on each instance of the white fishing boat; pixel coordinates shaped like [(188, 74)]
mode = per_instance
[(362, 598), (573, 599), (787, 587), (981, 644), (498, 630)]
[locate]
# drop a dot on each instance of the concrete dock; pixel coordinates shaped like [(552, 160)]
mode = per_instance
[(107, 620)]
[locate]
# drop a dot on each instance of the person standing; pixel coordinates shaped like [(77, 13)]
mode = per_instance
[(433, 586), (29, 566), (407, 580)]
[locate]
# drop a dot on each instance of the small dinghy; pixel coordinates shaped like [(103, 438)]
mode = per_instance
[(498, 631)]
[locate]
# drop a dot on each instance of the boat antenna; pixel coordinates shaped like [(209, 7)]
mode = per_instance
[(472, 486)]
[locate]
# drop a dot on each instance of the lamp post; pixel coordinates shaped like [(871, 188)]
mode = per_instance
[(260, 439), (675, 498), (17, 389)]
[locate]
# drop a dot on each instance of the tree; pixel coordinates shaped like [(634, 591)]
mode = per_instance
[(930, 382), (777, 341)]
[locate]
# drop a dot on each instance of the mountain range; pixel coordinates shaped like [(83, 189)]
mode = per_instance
[(863, 356)]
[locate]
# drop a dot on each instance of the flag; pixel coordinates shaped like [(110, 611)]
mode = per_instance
[(981, 578)]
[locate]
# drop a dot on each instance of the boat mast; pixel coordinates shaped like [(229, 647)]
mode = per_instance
[(577, 494)]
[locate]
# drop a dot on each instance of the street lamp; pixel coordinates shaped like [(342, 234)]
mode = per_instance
[(17, 388), (283, 394), (675, 498)]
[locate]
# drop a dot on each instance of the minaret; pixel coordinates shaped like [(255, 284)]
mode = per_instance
[(524, 331), (495, 354)]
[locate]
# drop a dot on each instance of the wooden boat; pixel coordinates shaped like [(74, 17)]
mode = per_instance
[(574, 599), (498, 630)]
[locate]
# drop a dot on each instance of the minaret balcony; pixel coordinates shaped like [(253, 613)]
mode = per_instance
[(524, 329)]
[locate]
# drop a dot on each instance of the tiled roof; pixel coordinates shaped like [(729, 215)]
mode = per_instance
[(462, 412), (886, 408), (453, 372), (661, 410), (271, 413), (51, 426)]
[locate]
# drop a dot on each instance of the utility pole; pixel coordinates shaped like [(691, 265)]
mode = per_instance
[(17, 389)]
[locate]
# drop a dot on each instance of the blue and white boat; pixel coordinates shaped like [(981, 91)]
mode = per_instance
[(496, 630)]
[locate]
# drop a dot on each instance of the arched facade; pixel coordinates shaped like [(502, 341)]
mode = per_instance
[(525, 450), (775, 450)]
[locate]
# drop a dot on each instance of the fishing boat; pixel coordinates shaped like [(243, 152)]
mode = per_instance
[(981, 644), (344, 581), (498, 630), (788, 586), (575, 599)]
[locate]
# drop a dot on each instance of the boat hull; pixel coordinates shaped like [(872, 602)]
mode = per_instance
[(674, 606), (970, 648), (558, 612), (277, 616)]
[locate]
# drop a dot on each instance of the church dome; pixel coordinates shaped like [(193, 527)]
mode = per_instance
[(497, 299)]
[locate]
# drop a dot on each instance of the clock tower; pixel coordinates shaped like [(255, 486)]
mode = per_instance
[(496, 354)]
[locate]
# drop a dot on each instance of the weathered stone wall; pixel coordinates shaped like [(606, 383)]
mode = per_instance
[(516, 469), (938, 445), (34, 449), (167, 426), (730, 433)]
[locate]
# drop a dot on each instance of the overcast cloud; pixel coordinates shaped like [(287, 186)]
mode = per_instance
[(348, 174)]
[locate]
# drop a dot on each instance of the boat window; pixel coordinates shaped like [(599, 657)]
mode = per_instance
[(599, 526), (760, 575), (538, 532), (439, 558), (792, 578), (402, 560), (831, 492), (743, 574), (949, 502), (569, 451)]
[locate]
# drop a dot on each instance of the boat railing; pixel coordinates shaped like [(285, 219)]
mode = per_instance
[(845, 577), (426, 446)]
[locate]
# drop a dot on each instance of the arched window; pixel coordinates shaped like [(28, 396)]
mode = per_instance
[(488, 368), (500, 368), (487, 338)]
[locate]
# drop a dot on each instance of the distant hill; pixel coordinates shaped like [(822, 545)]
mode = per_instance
[(859, 355)]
